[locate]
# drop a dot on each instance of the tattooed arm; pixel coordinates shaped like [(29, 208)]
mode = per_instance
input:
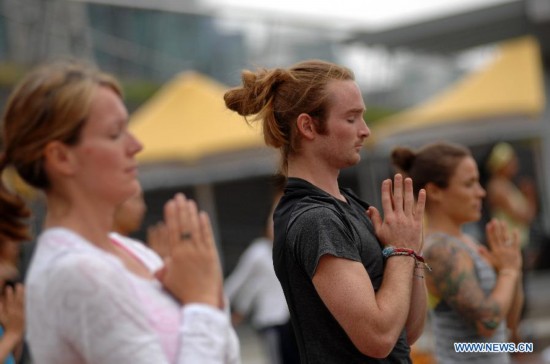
[(453, 279)]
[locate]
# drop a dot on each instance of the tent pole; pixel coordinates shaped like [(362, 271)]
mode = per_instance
[(207, 202), (545, 161)]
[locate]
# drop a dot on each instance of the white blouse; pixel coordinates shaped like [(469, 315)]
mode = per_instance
[(84, 306), (253, 288)]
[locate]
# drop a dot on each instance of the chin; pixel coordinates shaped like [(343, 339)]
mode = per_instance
[(354, 161), (130, 190), (475, 217)]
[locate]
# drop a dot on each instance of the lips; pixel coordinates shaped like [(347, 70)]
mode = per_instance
[(132, 170)]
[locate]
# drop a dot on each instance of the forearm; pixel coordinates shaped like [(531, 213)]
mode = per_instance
[(395, 295), (417, 312), (505, 290), (8, 343), (501, 299), (514, 315)]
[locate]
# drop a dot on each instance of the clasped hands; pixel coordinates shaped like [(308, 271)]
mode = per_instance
[(401, 225), (192, 271)]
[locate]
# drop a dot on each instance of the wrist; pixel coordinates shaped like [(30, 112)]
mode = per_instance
[(509, 272), (391, 251), (13, 336)]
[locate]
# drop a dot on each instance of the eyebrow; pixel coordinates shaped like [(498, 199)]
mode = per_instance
[(356, 111)]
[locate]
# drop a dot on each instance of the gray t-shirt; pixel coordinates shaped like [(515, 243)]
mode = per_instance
[(310, 223)]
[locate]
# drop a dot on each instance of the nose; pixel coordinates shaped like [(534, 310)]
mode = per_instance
[(364, 131), (134, 145), (481, 190)]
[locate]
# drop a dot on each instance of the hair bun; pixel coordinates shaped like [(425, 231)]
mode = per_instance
[(403, 158)]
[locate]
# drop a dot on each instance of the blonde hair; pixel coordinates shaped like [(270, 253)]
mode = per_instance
[(50, 103), (501, 154)]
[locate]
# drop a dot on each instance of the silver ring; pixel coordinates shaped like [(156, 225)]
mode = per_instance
[(185, 236)]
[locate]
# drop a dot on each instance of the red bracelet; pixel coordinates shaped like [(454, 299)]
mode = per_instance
[(391, 251)]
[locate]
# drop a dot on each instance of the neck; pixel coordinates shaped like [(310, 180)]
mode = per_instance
[(317, 174), (440, 223), (91, 219)]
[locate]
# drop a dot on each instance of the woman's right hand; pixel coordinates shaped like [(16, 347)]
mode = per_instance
[(12, 311), (504, 246), (192, 271)]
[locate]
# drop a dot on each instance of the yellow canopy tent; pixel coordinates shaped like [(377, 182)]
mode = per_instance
[(509, 86), (187, 119)]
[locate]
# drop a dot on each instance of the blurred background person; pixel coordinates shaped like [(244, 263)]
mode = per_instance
[(474, 292), (511, 200), (12, 295), (12, 320), (129, 215), (128, 218), (12, 305), (254, 290)]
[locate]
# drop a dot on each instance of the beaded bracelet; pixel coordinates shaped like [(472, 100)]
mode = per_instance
[(391, 251)]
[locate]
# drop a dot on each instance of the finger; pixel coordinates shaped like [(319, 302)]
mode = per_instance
[(193, 223), (386, 198), (398, 192), (501, 233), (408, 197), (420, 205), (207, 234), (20, 294), (505, 234), (485, 254), (172, 224), (375, 217), (9, 296), (490, 233), (184, 225), (516, 239)]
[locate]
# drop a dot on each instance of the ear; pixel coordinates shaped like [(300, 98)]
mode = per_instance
[(433, 192), (305, 126), (59, 158)]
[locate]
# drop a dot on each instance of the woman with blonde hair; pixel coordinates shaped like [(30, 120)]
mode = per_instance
[(92, 298)]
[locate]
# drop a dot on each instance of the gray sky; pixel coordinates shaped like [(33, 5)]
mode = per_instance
[(346, 14)]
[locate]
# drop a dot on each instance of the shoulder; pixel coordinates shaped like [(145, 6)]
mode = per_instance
[(65, 257), (314, 213), (439, 242), (446, 252)]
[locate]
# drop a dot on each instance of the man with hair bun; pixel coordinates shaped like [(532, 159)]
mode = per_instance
[(350, 278)]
